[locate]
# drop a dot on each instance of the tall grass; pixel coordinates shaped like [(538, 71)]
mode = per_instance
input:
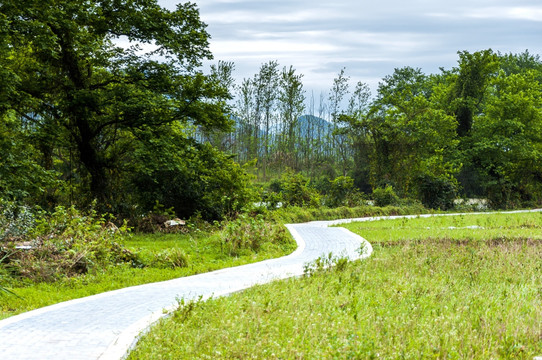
[(294, 214), (430, 297), (160, 257)]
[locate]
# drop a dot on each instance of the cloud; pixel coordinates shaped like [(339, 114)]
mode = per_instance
[(370, 39)]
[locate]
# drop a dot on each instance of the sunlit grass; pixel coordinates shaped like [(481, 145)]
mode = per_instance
[(423, 294), (460, 227)]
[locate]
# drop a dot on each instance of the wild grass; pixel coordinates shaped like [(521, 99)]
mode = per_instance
[(295, 214), (423, 294), (204, 252), (470, 227)]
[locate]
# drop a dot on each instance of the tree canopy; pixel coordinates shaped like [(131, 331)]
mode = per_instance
[(107, 101), (88, 80)]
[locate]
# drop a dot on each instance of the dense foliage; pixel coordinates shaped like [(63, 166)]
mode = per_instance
[(471, 131), (100, 99), (106, 101)]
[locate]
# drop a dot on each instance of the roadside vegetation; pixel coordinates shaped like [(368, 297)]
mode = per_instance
[(52, 257), (101, 145), (451, 287), (66, 255)]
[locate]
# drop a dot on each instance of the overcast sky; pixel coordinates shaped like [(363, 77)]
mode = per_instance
[(369, 38)]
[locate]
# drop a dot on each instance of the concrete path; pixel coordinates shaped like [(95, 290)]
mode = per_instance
[(105, 326)]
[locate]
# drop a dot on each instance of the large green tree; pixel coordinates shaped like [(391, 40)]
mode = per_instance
[(506, 141), (87, 75), (410, 138), (471, 80)]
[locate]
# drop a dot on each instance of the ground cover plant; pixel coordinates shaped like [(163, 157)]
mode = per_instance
[(78, 255), (451, 287)]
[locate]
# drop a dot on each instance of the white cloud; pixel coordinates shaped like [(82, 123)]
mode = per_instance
[(530, 13), (319, 37)]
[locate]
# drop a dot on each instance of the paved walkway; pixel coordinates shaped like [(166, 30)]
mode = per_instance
[(104, 326)]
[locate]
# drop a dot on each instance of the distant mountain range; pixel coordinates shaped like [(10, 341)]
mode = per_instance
[(306, 124)]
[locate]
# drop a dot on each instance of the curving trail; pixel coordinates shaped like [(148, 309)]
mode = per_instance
[(106, 325)]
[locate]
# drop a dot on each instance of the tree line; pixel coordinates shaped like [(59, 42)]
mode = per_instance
[(139, 126), (472, 131)]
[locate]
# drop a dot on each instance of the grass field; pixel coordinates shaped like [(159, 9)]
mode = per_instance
[(203, 251), (465, 287)]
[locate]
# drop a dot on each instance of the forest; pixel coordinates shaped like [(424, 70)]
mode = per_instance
[(126, 129)]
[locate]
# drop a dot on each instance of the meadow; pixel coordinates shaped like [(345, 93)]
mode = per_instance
[(451, 287)]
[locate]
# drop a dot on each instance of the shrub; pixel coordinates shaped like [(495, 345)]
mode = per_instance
[(502, 194), (67, 243), (170, 258), (338, 191), (272, 200), (297, 192), (3, 256), (437, 192), (385, 197), (15, 220), (201, 179)]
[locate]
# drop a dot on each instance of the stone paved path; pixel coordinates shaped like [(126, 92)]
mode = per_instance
[(104, 326)]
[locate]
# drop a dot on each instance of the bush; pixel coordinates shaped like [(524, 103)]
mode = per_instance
[(437, 192), (297, 192), (170, 258), (338, 191), (200, 179), (272, 200), (67, 243), (385, 197), (501, 194), (15, 220)]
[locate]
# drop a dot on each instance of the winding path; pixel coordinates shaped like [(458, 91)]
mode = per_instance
[(105, 326)]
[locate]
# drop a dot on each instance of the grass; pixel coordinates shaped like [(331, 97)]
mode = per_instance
[(470, 227), (204, 252), (431, 290)]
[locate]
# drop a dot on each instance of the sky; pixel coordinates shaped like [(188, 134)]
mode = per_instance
[(368, 38)]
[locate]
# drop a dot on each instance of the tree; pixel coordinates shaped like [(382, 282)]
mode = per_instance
[(266, 92), (353, 126), (221, 75), (340, 145), (411, 136), (76, 85), (506, 141), (22, 177), (177, 171), (291, 106), (245, 113), (471, 82)]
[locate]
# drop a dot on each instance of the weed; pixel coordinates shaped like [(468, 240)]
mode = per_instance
[(324, 263), (249, 234), (2, 288), (170, 258)]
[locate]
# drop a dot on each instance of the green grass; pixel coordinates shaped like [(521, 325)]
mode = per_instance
[(434, 293), (204, 254), (471, 227)]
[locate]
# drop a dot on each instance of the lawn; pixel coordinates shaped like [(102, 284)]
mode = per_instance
[(461, 287)]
